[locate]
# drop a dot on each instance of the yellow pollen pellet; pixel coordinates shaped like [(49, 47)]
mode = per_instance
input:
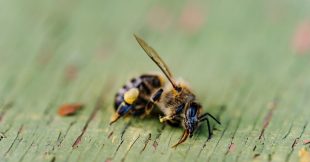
[(131, 95)]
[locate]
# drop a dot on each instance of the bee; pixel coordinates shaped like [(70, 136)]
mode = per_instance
[(173, 97)]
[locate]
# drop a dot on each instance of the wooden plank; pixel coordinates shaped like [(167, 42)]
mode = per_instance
[(242, 58)]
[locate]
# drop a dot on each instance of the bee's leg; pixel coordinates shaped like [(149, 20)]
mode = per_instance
[(122, 110), (155, 98), (129, 98), (209, 127), (205, 115), (165, 118), (178, 110)]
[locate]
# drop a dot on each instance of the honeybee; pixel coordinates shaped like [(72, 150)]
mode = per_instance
[(173, 98)]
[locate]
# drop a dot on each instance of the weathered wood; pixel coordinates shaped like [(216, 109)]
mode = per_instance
[(239, 59)]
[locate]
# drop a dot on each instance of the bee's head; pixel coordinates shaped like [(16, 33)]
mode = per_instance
[(192, 117)]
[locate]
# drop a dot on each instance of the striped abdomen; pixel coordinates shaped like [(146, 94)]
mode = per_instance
[(146, 84)]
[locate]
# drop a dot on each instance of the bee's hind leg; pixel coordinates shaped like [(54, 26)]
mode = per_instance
[(155, 98), (128, 104)]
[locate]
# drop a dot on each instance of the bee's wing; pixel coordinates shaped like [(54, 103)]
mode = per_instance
[(158, 61)]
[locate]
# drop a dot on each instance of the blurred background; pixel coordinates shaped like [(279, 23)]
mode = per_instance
[(198, 39), (240, 54)]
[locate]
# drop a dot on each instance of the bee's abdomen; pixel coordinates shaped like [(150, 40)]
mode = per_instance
[(146, 84)]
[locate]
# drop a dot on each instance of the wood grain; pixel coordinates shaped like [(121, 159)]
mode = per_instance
[(240, 61)]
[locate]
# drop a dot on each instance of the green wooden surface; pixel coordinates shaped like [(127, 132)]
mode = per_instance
[(238, 57)]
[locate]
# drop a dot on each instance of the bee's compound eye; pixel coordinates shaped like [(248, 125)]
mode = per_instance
[(131, 95)]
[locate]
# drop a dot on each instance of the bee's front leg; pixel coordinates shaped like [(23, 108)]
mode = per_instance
[(178, 110), (155, 98), (165, 118)]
